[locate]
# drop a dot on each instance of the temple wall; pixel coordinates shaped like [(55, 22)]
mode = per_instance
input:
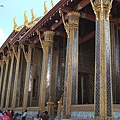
[(36, 77), (58, 69), (86, 57), (86, 72)]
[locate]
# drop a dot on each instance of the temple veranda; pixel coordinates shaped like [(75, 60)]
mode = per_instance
[(66, 62)]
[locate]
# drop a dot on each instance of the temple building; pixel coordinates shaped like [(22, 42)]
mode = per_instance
[(66, 62)]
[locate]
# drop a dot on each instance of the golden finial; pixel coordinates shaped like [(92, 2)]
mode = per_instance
[(25, 19), (15, 24), (52, 3), (33, 16), (45, 8)]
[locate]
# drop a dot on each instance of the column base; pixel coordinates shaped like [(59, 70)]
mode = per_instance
[(66, 116), (50, 108)]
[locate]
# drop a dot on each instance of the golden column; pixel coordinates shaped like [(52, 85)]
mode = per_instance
[(71, 70), (1, 76), (47, 45), (17, 56), (103, 83), (10, 79), (6, 59), (28, 60)]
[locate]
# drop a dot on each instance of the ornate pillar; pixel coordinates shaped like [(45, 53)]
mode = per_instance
[(46, 83), (1, 75), (71, 70), (26, 88), (103, 80), (17, 56), (10, 79), (6, 59)]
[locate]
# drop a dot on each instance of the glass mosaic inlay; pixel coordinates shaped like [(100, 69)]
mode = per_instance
[(66, 77), (74, 67), (108, 63), (97, 72), (48, 74)]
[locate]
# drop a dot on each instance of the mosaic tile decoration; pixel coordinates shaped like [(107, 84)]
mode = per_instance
[(74, 67), (82, 114), (108, 64), (97, 72), (66, 76), (48, 74)]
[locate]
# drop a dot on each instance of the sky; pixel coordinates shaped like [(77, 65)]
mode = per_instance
[(16, 8)]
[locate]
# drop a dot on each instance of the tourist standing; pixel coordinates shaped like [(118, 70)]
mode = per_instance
[(5, 116), (37, 117), (9, 114), (24, 115), (12, 113), (44, 115), (1, 114)]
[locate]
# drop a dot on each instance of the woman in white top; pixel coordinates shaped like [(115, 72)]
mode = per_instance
[(24, 115)]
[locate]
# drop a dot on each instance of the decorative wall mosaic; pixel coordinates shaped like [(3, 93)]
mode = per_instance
[(74, 68), (108, 64), (97, 72), (66, 76)]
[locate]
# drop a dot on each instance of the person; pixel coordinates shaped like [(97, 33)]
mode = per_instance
[(5, 116), (44, 115), (12, 113), (37, 117), (16, 116), (1, 114), (24, 115), (9, 114)]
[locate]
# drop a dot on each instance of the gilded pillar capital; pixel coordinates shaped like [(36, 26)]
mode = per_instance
[(11, 54), (48, 36), (73, 21), (25, 53), (1, 62), (15, 52), (102, 8), (73, 18), (48, 39), (5, 58)]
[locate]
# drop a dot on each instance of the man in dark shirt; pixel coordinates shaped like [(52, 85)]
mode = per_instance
[(44, 115)]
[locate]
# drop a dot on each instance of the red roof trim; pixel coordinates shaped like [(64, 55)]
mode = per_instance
[(47, 16), (18, 34)]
